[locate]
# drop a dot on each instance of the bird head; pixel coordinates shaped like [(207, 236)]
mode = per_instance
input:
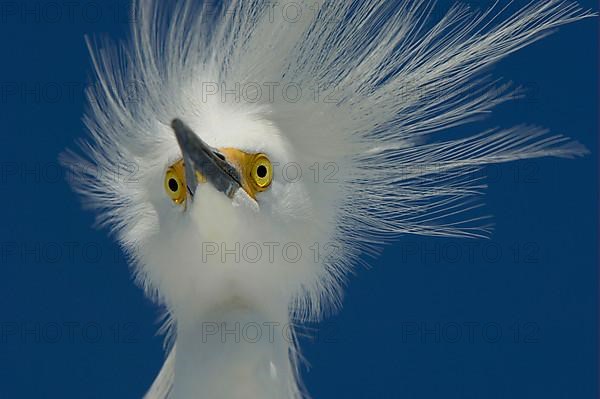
[(235, 220), (257, 198)]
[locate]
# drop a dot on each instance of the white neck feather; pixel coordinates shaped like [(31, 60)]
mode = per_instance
[(235, 353)]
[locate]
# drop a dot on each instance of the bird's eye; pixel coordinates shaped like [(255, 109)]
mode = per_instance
[(174, 183), (261, 173)]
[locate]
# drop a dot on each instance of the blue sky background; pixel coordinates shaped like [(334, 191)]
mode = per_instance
[(511, 317)]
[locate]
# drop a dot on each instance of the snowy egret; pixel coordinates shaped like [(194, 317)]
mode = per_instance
[(273, 143)]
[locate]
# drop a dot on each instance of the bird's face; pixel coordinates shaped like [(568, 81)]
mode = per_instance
[(234, 227)]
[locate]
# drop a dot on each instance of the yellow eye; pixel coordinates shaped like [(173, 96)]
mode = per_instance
[(174, 183), (256, 169), (262, 172)]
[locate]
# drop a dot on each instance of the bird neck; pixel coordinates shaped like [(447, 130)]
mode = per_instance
[(235, 353)]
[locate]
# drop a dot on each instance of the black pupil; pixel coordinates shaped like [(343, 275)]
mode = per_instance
[(173, 185), (261, 171)]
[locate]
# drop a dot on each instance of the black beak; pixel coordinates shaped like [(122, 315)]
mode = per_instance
[(199, 157)]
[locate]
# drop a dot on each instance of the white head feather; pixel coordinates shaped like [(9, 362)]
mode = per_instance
[(358, 89)]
